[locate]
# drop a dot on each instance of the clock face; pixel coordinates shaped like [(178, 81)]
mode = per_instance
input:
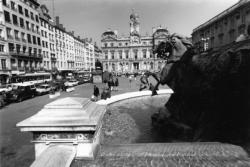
[(135, 39)]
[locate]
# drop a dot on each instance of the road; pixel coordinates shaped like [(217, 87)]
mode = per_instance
[(15, 146)]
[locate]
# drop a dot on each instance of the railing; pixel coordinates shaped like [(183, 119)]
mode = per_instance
[(10, 37), (14, 68)]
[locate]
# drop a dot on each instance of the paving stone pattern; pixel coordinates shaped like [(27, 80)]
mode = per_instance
[(168, 154)]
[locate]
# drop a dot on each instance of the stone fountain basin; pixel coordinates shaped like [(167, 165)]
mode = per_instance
[(129, 121)]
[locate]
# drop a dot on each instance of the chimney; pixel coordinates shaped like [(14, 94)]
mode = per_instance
[(57, 20)]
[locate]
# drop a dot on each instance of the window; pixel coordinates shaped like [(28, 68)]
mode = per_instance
[(120, 54), (105, 45), (27, 25), (18, 47), (29, 38), (135, 53), (19, 63), (30, 50), (1, 48), (26, 12), (144, 51), (24, 49), (38, 41), (3, 63), (23, 36), (126, 54), (33, 27), (11, 47), (7, 16), (112, 45), (31, 15), (21, 22), (34, 40), (16, 34), (20, 9), (15, 19), (120, 44), (4, 3), (37, 18), (8, 30), (112, 55), (12, 4)]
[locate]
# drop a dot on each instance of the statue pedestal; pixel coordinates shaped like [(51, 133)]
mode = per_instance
[(74, 122)]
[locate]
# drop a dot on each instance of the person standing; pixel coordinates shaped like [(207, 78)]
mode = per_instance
[(130, 81), (116, 84), (144, 82)]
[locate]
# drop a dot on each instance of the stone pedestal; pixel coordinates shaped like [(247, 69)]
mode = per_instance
[(74, 122)]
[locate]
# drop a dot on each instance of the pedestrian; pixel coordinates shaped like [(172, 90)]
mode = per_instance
[(106, 93), (130, 81), (116, 83), (144, 82), (96, 93)]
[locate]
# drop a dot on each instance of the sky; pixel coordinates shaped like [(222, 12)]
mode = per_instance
[(90, 18)]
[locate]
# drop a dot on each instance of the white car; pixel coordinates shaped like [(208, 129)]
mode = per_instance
[(5, 88), (71, 83), (43, 89)]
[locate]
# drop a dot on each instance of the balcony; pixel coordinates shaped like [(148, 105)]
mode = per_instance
[(53, 59), (17, 39), (2, 38), (4, 69), (10, 37), (14, 68)]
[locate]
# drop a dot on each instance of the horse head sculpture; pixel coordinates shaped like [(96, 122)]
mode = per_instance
[(171, 50)]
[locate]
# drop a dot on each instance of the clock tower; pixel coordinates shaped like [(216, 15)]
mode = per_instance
[(134, 28)]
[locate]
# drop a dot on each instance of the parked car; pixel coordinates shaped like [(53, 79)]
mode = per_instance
[(2, 99), (43, 89), (71, 83), (21, 91), (5, 88)]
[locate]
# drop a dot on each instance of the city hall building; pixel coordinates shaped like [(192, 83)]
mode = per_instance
[(134, 52)]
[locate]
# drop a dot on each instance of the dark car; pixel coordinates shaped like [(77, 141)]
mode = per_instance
[(21, 91), (2, 99)]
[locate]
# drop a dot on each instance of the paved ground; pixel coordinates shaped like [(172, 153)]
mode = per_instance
[(168, 154), (15, 147)]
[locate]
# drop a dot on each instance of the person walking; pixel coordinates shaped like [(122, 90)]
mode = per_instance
[(96, 93)]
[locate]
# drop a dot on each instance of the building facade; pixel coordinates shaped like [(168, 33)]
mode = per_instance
[(90, 56), (223, 28), (134, 52), (20, 31), (30, 41), (80, 52), (48, 39)]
